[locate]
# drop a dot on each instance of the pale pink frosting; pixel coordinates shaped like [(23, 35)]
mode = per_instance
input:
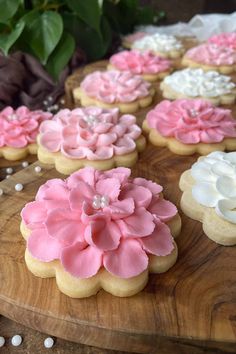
[(92, 133), (131, 38), (192, 121), (118, 235), (20, 127), (212, 54), (115, 86), (140, 62), (224, 40)]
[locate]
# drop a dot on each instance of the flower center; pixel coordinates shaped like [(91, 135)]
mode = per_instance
[(100, 201), (12, 116), (91, 120), (193, 113)]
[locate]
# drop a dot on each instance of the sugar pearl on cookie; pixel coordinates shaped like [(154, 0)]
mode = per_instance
[(38, 169), (48, 342), (16, 340), (9, 170), (2, 341), (19, 187), (8, 176), (25, 164), (1, 191)]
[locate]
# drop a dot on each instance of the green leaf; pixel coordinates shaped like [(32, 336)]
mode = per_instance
[(61, 55), (43, 34), (8, 39), (88, 11), (8, 9)]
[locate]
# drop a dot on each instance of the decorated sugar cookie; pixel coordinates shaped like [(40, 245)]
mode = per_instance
[(197, 83), (187, 126), (90, 136), (209, 195), (224, 39), (211, 57), (100, 230), (150, 66), (18, 131), (109, 89), (129, 39), (160, 44)]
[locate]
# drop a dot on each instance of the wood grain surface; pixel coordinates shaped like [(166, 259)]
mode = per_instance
[(186, 310)]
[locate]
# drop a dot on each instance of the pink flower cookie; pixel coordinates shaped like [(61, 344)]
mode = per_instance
[(150, 66), (227, 40), (100, 230), (109, 89), (189, 126), (19, 129), (91, 136), (211, 57)]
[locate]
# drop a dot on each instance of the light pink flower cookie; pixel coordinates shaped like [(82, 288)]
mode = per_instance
[(18, 131), (189, 126), (109, 89), (224, 39), (211, 57), (150, 66), (100, 230), (91, 136)]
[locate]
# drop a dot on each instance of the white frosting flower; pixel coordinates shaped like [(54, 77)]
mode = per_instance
[(197, 82), (215, 187), (158, 43)]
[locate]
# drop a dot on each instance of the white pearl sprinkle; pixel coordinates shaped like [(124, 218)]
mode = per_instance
[(38, 169), (50, 99), (48, 342), (19, 187), (8, 176), (16, 340), (62, 101), (9, 170), (25, 164), (2, 341), (1, 193)]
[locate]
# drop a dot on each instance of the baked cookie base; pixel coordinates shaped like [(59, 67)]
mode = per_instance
[(80, 288), (81, 99), (67, 166), (223, 69), (179, 148), (15, 154), (168, 92), (173, 54), (217, 229), (147, 77)]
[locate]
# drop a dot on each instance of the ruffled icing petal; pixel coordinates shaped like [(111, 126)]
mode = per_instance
[(43, 247), (51, 140), (201, 171), (120, 173), (188, 137), (34, 214), (221, 168), (139, 224), (109, 187), (86, 175), (226, 208), (65, 225), (83, 192), (127, 261), (152, 186), (106, 139), (69, 136), (102, 234), (124, 145), (160, 242), (141, 195), (120, 209), (101, 153), (163, 209), (81, 262), (206, 194), (226, 186)]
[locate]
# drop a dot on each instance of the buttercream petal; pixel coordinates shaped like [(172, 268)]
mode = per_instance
[(201, 171), (206, 194), (86, 175), (163, 209), (127, 261), (51, 140), (120, 209), (226, 208), (152, 186), (141, 195), (109, 187), (83, 192), (139, 224), (226, 186), (34, 214)]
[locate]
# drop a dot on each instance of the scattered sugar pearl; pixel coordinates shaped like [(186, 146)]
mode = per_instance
[(8, 176), (25, 164), (9, 170), (19, 187), (2, 341), (62, 101), (16, 340), (1, 193), (38, 169), (48, 342)]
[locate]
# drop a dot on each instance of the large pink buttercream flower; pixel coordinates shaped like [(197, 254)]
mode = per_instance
[(224, 40), (97, 219), (115, 86), (19, 127), (211, 54), (140, 62), (92, 132), (192, 121)]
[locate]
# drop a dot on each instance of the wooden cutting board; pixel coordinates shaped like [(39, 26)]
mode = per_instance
[(191, 307)]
